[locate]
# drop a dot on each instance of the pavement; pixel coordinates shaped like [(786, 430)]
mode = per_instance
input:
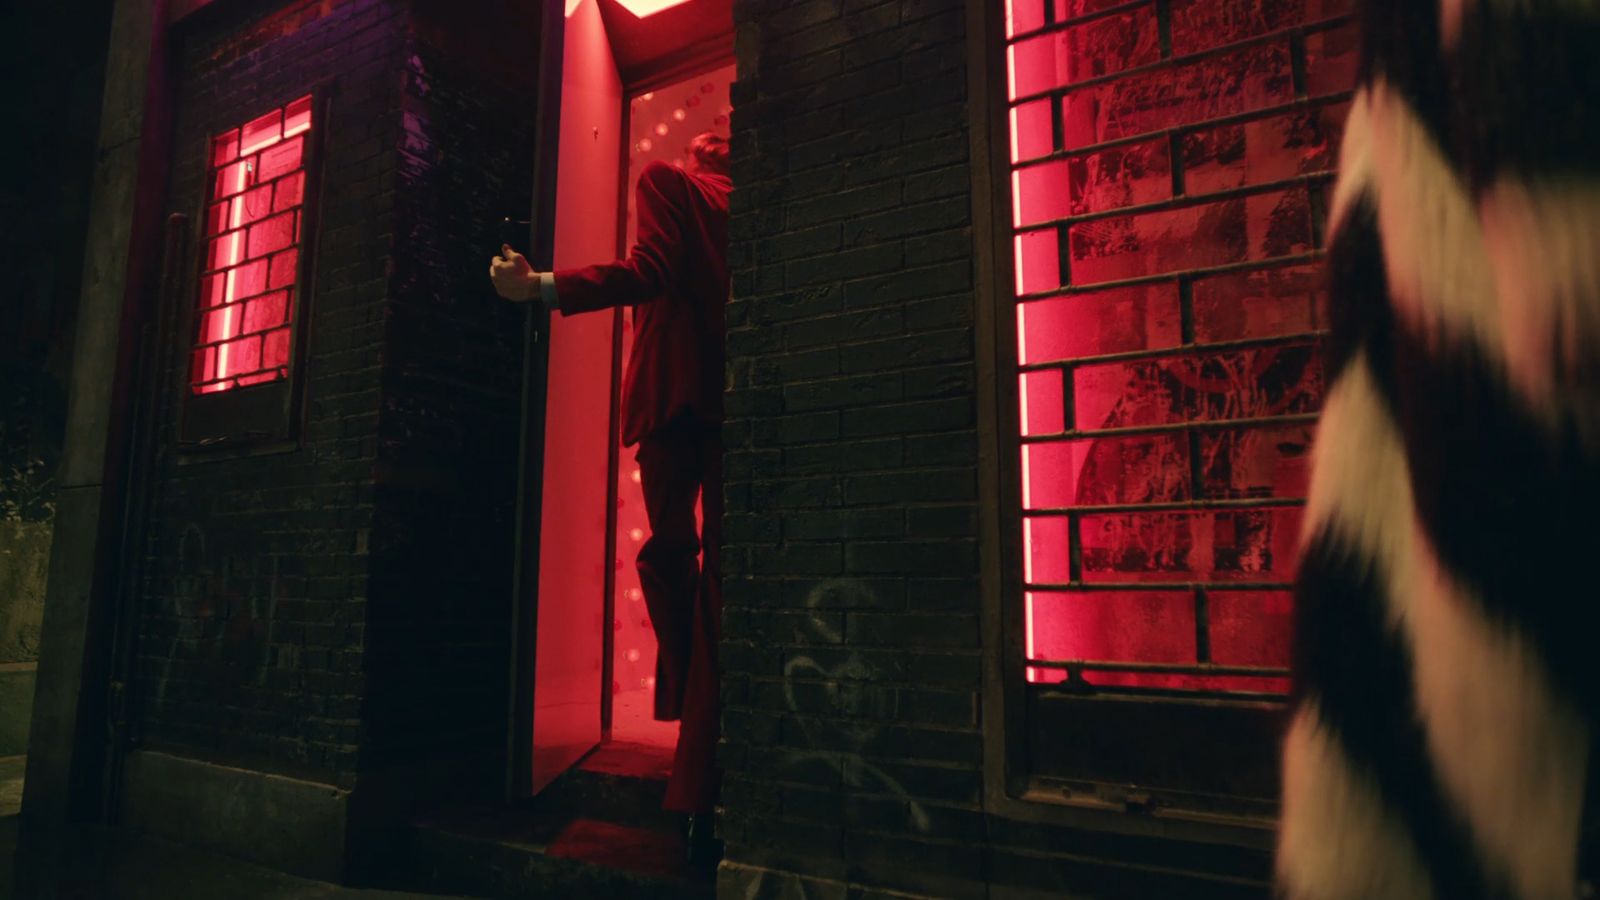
[(143, 868)]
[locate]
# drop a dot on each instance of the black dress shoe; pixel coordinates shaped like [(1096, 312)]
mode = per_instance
[(700, 842)]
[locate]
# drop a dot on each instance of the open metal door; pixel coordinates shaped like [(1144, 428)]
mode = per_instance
[(566, 500)]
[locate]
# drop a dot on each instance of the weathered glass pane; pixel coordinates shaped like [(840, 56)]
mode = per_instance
[(288, 191), (1331, 60), (1239, 384), (249, 279), (1264, 150), (1038, 263), (1249, 628), (266, 311), (1260, 226), (232, 179), (284, 269), (1202, 24), (1231, 545), (253, 205), (225, 147), (276, 349), (297, 117), (1114, 626), (243, 355), (1259, 304), (285, 157), (1040, 397), (272, 235), (1048, 551), (1115, 321), (262, 132), (1104, 471), (1269, 461), (1099, 47), (1251, 78)]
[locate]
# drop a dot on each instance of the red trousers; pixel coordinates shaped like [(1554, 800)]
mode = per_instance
[(678, 464)]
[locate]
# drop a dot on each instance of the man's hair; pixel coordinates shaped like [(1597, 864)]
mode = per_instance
[(710, 150)]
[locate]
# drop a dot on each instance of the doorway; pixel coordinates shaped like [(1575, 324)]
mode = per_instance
[(639, 79)]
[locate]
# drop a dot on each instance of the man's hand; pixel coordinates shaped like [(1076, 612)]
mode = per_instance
[(513, 278)]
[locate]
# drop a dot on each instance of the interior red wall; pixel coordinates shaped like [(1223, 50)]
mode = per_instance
[(573, 519), (660, 124), (1139, 399)]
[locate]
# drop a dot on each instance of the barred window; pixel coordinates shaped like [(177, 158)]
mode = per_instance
[(1168, 163), (253, 227)]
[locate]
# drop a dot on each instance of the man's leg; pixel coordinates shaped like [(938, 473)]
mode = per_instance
[(669, 474), (694, 784)]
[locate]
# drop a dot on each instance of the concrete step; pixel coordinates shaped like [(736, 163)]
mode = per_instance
[(619, 782), (597, 831), (510, 854)]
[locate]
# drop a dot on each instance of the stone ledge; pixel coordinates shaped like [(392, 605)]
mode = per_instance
[(285, 823), (17, 682)]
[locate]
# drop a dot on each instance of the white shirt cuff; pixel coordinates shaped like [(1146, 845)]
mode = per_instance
[(547, 291)]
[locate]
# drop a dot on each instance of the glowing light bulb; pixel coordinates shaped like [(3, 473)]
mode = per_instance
[(633, 654), (636, 534), (650, 681), (645, 145), (661, 128), (635, 594), (679, 114), (634, 475)]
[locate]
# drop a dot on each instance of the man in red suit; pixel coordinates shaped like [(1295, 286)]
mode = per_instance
[(676, 280)]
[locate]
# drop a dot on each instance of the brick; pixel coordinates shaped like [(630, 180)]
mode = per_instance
[(858, 325), (797, 559), (949, 784), (960, 521), (903, 352), (842, 205), (925, 486), (902, 418), (843, 524), (797, 429), (907, 220), (868, 260), (854, 456), (838, 393), (908, 284), (942, 630), (939, 247), (800, 366), (804, 242)]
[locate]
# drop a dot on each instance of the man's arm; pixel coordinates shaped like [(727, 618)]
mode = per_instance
[(648, 271), (653, 264)]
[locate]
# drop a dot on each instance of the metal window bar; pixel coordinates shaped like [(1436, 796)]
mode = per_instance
[(1295, 35), (1314, 184), (202, 379), (1178, 132)]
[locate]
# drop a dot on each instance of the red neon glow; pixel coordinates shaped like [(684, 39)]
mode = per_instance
[(1133, 425), (645, 8), (252, 231)]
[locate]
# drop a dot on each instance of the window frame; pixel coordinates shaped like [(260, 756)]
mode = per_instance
[(267, 417), (1218, 755)]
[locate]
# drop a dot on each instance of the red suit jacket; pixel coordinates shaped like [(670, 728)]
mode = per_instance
[(676, 280)]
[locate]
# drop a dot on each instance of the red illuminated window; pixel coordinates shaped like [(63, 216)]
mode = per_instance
[(1168, 165), (253, 229)]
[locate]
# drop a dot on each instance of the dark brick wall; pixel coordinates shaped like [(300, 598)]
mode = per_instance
[(253, 613), (442, 547), (851, 636), (345, 605)]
